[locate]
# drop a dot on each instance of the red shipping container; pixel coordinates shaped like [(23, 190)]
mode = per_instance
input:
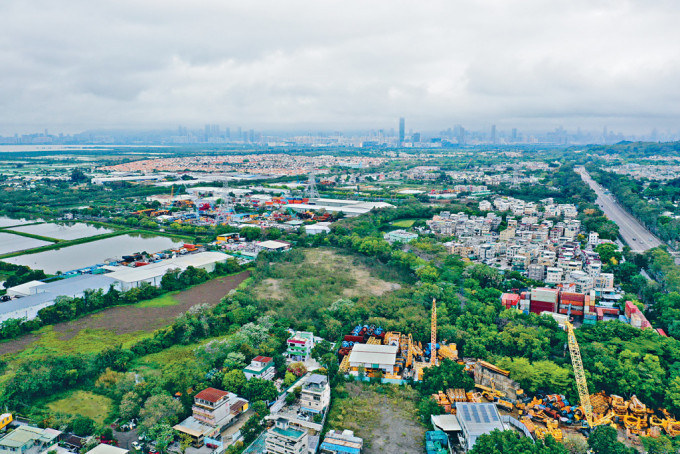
[(350, 338), (540, 306), (573, 297)]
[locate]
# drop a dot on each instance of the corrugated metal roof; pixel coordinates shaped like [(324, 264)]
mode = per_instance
[(373, 354), (478, 418), (71, 287)]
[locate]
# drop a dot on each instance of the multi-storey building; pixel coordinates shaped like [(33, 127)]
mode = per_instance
[(316, 394), (300, 345), (213, 411), (284, 439)]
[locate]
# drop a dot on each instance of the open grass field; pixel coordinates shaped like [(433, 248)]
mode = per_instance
[(324, 273), (119, 325), (83, 403), (404, 223), (385, 416), (162, 301)]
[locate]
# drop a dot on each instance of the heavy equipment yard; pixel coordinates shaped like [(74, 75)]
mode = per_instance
[(391, 354), (555, 414), (371, 350)]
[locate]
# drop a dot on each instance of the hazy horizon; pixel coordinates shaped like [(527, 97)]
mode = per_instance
[(334, 65)]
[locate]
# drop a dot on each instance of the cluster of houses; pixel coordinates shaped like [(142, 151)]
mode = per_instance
[(549, 251)]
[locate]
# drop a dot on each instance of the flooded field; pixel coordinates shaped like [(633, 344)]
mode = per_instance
[(63, 231), (9, 222), (13, 243), (87, 254)]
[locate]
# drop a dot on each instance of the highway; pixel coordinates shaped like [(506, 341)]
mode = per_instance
[(633, 233)]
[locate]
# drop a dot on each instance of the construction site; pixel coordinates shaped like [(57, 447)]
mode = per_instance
[(392, 355), (395, 356), (550, 414)]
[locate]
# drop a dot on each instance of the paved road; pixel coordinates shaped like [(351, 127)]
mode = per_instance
[(633, 233)]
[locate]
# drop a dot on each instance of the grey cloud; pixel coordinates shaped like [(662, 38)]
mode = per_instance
[(77, 64)]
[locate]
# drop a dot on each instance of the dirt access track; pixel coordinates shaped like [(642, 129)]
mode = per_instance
[(131, 319)]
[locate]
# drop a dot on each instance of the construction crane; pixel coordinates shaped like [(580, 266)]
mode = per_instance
[(579, 373), (433, 334)]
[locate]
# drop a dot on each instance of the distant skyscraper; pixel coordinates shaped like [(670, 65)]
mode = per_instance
[(493, 134), (514, 134), (402, 129), (227, 133)]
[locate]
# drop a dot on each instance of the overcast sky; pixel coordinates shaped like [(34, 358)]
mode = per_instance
[(70, 65)]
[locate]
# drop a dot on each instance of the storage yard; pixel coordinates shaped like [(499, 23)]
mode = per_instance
[(372, 351)]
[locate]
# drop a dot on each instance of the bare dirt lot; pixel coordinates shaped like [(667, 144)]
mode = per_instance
[(385, 417), (132, 319)]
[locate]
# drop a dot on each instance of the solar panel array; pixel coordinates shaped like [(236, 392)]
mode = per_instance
[(478, 413)]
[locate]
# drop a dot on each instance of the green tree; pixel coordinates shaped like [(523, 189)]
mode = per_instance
[(83, 426), (660, 445), (603, 440), (159, 409), (163, 434), (234, 381), (509, 442), (259, 389), (575, 444), (449, 374), (130, 406)]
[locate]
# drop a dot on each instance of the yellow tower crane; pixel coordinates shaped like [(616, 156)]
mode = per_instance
[(579, 373), (433, 334)]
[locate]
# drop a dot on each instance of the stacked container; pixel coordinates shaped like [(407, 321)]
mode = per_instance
[(543, 299)]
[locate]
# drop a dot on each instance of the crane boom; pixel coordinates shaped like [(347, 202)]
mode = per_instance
[(579, 374), (433, 334)]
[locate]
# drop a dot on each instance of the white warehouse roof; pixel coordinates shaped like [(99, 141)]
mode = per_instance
[(127, 274), (373, 354)]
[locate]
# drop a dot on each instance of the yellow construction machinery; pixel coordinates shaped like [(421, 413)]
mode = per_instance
[(443, 401), (636, 407), (490, 393), (635, 424), (505, 405), (344, 365), (600, 403), (550, 429), (456, 395), (474, 397), (526, 420), (373, 341), (579, 373), (672, 427), (619, 405), (448, 352)]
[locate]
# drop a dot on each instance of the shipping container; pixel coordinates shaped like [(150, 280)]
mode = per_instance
[(539, 306), (573, 297), (544, 294), (350, 338)]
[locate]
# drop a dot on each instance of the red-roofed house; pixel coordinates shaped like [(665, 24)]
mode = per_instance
[(213, 411), (260, 367)]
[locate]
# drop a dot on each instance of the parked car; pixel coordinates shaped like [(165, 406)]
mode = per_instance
[(136, 446)]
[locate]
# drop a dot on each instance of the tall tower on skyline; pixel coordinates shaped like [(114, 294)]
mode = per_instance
[(402, 130), (493, 134)]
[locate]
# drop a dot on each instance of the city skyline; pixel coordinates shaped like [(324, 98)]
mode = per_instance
[(303, 65)]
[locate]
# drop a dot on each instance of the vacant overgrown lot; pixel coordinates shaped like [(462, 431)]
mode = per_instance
[(385, 416)]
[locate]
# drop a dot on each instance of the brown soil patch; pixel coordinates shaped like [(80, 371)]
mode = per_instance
[(368, 284), (131, 319)]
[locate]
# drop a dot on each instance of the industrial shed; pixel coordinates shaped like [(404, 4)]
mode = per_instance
[(44, 295), (153, 273), (476, 419), (382, 357)]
